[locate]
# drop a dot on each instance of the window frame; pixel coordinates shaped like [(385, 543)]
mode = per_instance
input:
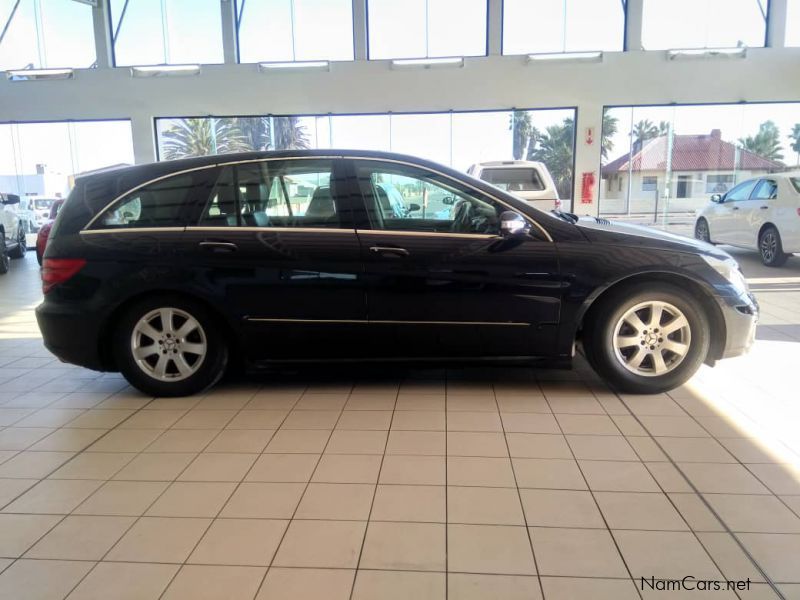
[(741, 184)]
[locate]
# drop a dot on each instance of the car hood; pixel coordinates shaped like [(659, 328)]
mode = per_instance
[(618, 232)]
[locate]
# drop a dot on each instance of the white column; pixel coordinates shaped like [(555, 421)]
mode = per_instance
[(495, 31), (143, 134), (633, 25), (360, 32), (230, 41), (102, 35), (587, 156), (776, 24)]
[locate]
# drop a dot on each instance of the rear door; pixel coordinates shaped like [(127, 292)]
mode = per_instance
[(276, 240), (756, 211)]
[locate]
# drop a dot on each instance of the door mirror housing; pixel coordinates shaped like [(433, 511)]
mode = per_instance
[(413, 207), (448, 200), (513, 224), (10, 199), (718, 198)]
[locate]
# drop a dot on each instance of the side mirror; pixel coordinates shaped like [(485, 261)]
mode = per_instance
[(448, 200), (11, 199), (716, 198), (512, 224), (413, 207)]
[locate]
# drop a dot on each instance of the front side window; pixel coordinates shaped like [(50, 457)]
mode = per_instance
[(766, 190), (402, 198), (514, 179), (741, 191)]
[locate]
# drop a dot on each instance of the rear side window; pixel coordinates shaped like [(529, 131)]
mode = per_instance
[(796, 183), (514, 180)]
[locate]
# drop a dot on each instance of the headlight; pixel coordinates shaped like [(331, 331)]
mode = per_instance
[(729, 269)]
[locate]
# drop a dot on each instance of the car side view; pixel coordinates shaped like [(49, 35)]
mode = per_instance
[(758, 214), (12, 232), (169, 272)]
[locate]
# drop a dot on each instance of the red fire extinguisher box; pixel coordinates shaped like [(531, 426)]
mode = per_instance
[(587, 187)]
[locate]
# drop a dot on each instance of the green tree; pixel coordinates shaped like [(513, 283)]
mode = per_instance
[(520, 127), (766, 143), (287, 133), (554, 147), (795, 138), (255, 131), (201, 137), (610, 128), (645, 130)]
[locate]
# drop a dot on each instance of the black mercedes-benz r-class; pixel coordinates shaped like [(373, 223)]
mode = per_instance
[(169, 272)]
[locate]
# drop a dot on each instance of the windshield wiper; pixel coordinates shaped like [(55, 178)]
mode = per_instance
[(568, 217)]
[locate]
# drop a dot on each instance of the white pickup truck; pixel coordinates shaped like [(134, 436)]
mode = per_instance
[(529, 180), (12, 233)]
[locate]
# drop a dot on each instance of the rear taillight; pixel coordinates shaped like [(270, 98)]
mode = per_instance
[(558, 204), (58, 270)]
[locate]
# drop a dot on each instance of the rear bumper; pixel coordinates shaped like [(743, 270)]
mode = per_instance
[(73, 335), (741, 318)]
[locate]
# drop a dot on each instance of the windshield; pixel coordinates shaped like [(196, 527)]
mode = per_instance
[(514, 179), (43, 203)]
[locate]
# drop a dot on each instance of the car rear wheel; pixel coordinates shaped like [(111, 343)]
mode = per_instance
[(771, 248), (701, 231), (5, 261), (647, 338), (22, 247), (170, 346)]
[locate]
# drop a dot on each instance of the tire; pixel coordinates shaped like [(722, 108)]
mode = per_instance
[(617, 362), (197, 372), (22, 245), (5, 261), (771, 248), (702, 231)]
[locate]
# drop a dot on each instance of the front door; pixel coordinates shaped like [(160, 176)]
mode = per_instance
[(726, 222), (441, 282), (277, 240), (754, 212)]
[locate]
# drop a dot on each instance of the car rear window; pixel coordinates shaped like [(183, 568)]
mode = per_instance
[(795, 182), (514, 179)]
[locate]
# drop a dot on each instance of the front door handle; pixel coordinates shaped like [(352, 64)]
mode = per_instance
[(389, 250), (734, 208), (218, 246), (764, 207)]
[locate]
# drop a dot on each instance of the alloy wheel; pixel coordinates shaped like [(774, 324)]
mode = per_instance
[(169, 344), (23, 242), (652, 338), (701, 231), (769, 246)]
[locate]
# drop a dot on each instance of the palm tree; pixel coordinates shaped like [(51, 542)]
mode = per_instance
[(554, 149), (766, 143), (520, 127), (287, 133), (795, 137), (255, 131), (609, 131), (645, 130), (201, 137)]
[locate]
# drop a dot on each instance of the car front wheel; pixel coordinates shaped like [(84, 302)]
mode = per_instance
[(22, 248), (647, 338), (170, 346), (701, 231), (771, 248), (5, 261)]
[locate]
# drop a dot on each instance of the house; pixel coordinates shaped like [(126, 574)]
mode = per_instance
[(701, 165)]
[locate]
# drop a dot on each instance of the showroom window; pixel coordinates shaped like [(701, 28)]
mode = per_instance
[(46, 34), (793, 22), (426, 28), (157, 32), (294, 30), (562, 26), (670, 24)]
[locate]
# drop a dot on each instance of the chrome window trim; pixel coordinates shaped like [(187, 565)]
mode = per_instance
[(249, 228), (385, 322), (133, 230), (403, 232)]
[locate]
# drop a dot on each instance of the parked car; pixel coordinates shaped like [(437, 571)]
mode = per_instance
[(44, 229), (26, 214), (12, 232), (760, 214), (526, 179), (41, 209), (168, 272)]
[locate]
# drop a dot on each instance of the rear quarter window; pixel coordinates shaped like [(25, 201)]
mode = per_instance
[(514, 179), (796, 183)]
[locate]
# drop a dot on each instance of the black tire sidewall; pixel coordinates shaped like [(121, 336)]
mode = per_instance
[(708, 230), (600, 351), (780, 257), (4, 258), (210, 371)]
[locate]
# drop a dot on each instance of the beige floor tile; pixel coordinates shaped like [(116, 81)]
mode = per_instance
[(754, 513), (715, 478), (241, 440), (153, 419), (413, 470), (205, 419), (484, 506), (469, 443), (336, 501), (416, 442), (210, 466), (12, 488), (283, 467), (182, 440), (125, 440), (573, 588), (20, 532), (601, 447), (695, 450), (273, 401), (474, 421), (192, 499), (311, 419), (122, 498), (308, 584), (728, 556), (196, 582), (407, 401), (370, 402), (157, 466), (695, 512), (579, 405), (678, 553), (533, 445), (20, 438), (555, 473), (100, 418), (576, 552), (157, 539), (366, 420), (471, 403), (404, 546), (50, 417), (778, 554), (333, 544), (632, 510), (322, 402), (304, 441), (617, 476), (587, 424), (464, 586), (397, 585), (33, 465), (530, 423), (481, 471), (247, 542), (348, 468), (68, 440), (93, 465), (257, 419), (420, 503), (560, 508), (489, 549), (53, 496), (668, 477), (677, 426), (125, 581), (628, 425), (357, 442), (41, 579), (532, 404), (780, 479), (418, 420), (264, 501), (81, 538), (646, 449)]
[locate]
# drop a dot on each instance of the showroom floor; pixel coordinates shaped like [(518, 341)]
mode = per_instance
[(469, 483)]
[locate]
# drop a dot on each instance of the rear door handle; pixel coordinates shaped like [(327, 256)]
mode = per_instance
[(219, 246), (389, 250), (764, 207), (735, 208)]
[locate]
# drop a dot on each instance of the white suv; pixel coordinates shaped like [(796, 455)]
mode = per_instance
[(12, 233), (759, 214), (529, 180)]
